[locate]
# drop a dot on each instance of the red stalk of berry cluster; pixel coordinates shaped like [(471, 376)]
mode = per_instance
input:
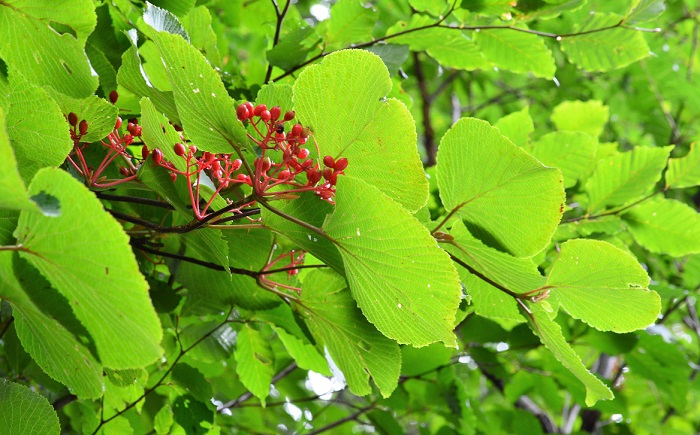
[(116, 145), (293, 259)]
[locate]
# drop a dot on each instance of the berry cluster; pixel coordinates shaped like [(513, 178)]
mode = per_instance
[(292, 259), (283, 161), (116, 145), (294, 158)]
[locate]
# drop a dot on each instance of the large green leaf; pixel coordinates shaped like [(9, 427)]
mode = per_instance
[(625, 177), (517, 51), (572, 152), (350, 22), (37, 129), (402, 281), (343, 101), (207, 112), (48, 329), (47, 57), (604, 51), (23, 411), (100, 115), (684, 171), (14, 190), (505, 196), (585, 116), (356, 347), (255, 361), (85, 254), (603, 286), (665, 226), (551, 336)]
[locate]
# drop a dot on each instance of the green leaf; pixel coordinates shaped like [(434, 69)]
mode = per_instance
[(517, 127), (551, 336), (356, 347), (131, 77), (85, 254), (291, 50), (585, 116), (506, 197), (625, 177), (105, 70), (451, 49), (48, 329), (162, 20), (402, 281), (665, 226), (47, 57), (14, 191), (350, 22), (392, 55), (684, 171), (207, 112), (645, 10), (350, 117), (417, 361), (603, 286), (177, 7), (606, 50), (37, 129), (517, 51), (193, 381), (23, 411), (572, 152), (255, 360)]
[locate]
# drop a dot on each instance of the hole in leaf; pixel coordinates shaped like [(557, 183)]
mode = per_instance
[(48, 204), (62, 29)]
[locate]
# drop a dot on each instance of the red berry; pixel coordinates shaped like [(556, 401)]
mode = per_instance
[(265, 115), (305, 132), (275, 113), (193, 149), (137, 131), (128, 139), (179, 149), (289, 115), (118, 124), (144, 152), (296, 130), (236, 165), (341, 164), (303, 153), (250, 108), (83, 127), (216, 166), (329, 161), (173, 176), (283, 175), (113, 97), (259, 109), (313, 176), (73, 119), (124, 171), (279, 136), (157, 156), (130, 126), (265, 164), (328, 174), (242, 112)]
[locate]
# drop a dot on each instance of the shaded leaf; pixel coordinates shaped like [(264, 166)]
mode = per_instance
[(684, 171), (255, 360), (517, 51), (572, 152), (585, 116), (358, 349)]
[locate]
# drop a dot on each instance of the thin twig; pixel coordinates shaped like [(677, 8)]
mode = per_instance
[(428, 131), (350, 417), (278, 29), (134, 199)]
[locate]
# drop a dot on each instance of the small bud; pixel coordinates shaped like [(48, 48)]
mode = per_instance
[(73, 119), (83, 127), (329, 161), (289, 115), (157, 156), (179, 149), (144, 152), (113, 97), (341, 164)]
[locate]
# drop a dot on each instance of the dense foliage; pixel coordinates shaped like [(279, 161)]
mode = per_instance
[(392, 216)]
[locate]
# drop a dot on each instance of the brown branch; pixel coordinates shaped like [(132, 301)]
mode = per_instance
[(428, 131), (278, 29)]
